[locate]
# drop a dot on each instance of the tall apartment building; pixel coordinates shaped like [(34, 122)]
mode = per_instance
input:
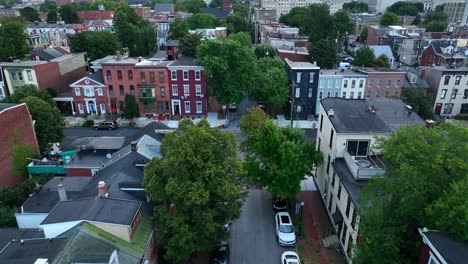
[(283, 7)]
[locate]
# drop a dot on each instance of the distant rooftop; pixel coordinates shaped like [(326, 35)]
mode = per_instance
[(217, 12), (29, 63), (89, 159), (27, 251), (301, 65), (184, 61), (66, 57), (123, 60), (153, 63), (395, 113), (342, 72)]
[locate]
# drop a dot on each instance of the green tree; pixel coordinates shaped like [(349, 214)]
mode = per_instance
[(342, 23), (47, 6), (389, 19), (189, 43), (238, 23), (68, 14), (324, 53), (131, 107), (436, 20), (21, 154), (191, 6), (29, 90), (278, 158), (318, 23), (49, 122), (13, 38), (240, 10), (7, 216), (420, 101), (97, 44), (363, 35), (202, 20), (108, 5), (198, 184), (241, 37), (436, 26), (272, 86), (52, 16), (420, 162), (364, 57), (381, 61), (416, 20), (178, 29), (406, 8), (356, 7), (215, 3), (29, 14), (295, 17), (230, 69), (264, 50)]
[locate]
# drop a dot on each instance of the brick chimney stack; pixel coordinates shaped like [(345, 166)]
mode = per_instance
[(102, 189), (227, 6)]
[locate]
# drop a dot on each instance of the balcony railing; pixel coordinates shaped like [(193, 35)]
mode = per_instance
[(364, 167)]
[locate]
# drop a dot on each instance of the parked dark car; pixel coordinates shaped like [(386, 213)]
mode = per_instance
[(221, 254), (279, 204), (109, 125)]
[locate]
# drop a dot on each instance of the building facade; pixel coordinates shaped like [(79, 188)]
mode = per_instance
[(443, 54), (382, 82), (304, 79), (330, 83), (90, 95), (188, 88)]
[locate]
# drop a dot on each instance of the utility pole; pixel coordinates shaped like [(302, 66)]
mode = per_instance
[(293, 89)]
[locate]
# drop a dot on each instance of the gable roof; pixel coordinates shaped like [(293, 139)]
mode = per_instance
[(27, 251), (163, 7), (98, 209), (453, 252), (94, 79), (382, 49), (150, 130), (8, 234), (395, 114), (217, 12)]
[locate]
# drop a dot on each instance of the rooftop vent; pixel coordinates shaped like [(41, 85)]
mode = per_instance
[(331, 113), (102, 189), (409, 109)]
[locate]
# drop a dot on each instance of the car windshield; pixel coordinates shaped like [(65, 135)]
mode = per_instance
[(286, 229)]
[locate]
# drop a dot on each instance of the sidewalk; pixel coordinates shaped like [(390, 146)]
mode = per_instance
[(316, 227)]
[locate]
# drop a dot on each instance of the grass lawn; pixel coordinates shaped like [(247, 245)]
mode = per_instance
[(138, 244)]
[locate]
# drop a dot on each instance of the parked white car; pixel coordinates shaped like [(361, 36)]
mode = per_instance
[(285, 229), (290, 257)]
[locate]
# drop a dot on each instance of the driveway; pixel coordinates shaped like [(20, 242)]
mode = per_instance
[(253, 239)]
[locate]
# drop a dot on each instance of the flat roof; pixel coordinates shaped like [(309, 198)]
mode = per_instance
[(123, 60), (99, 143), (22, 63), (88, 159), (349, 182), (66, 57), (301, 65)]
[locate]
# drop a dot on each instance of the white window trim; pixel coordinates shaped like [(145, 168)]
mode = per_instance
[(186, 90), (175, 90), (298, 77), (99, 92), (77, 91), (88, 91), (198, 75), (199, 103), (80, 108), (173, 75), (198, 89), (184, 72), (187, 109), (102, 107)]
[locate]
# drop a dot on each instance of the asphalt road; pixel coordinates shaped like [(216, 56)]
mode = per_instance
[(70, 134), (253, 239)]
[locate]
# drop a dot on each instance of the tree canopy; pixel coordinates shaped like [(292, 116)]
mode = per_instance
[(264, 50), (381, 61), (242, 37), (425, 168), (197, 183), (406, 8), (97, 44), (324, 53), (364, 57), (29, 14), (29, 90), (189, 43), (13, 38), (420, 100), (191, 6), (178, 29), (230, 68), (49, 122), (436, 20), (356, 7), (236, 24), (389, 19), (52, 16), (131, 107), (277, 158), (202, 20), (272, 86), (68, 14)]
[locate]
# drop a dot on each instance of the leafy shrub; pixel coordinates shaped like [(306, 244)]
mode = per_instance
[(88, 123)]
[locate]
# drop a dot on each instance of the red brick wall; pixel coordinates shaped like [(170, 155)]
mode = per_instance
[(293, 56), (428, 56), (114, 82), (48, 76), (393, 90), (158, 85), (134, 225), (372, 36), (78, 172), (95, 15), (11, 120), (64, 2), (192, 98)]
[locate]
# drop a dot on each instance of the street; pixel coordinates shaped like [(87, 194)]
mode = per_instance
[(253, 238)]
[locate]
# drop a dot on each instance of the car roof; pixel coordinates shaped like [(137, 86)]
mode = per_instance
[(282, 213)]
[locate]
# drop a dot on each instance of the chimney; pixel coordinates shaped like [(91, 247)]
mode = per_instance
[(61, 192), (133, 146), (140, 58), (102, 189), (118, 56), (430, 123)]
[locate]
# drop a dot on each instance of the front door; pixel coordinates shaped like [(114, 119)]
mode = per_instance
[(91, 108), (176, 108), (438, 108), (114, 108)]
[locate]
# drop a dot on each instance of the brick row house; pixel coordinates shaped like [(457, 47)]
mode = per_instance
[(90, 95)]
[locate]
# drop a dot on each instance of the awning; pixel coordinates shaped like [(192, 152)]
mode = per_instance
[(337, 217)]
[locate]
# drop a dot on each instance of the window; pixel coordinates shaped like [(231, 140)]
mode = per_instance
[(348, 207), (464, 109), (377, 94), (185, 75), (353, 221), (88, 91), (161, 77), (187, 107), (298, 77), (132, 89), (337, 94), (298, 92), (77, 91), (119, 75), (320, 95), (353, 83), (121, 90), (298, 108), (321, 83), (448, 108), (396, 94), (447, 80), (398, 83), (359, 95), (111, 91), (152, 80), (130, 74), (162, 91), (328, 164), (331, 138), (20, 76), (309, 94), (330, 83), (103, 108), (186, 90), (197, 75), (29, 73), (465, 94), (321, 122), (387, 93), (368, 94), (370, 82), (80, 108), (345, 234), (198, 89), (143, 77), (351, 95), (345, 84), (160, 107), (379, 83), (389, 82), (148, 106), (108, 75), (311, 77), (173, 75), (344, 95), (99, 92), (339, 190), (333, 180), (13, 76), (361, 83), (147, 91), (337, 83), (199, 107), (175, 90), (328, 94), (443, 93), (454, 93), (358, 148)]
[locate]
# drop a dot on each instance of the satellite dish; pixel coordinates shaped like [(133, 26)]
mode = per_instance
[(108, 155)]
